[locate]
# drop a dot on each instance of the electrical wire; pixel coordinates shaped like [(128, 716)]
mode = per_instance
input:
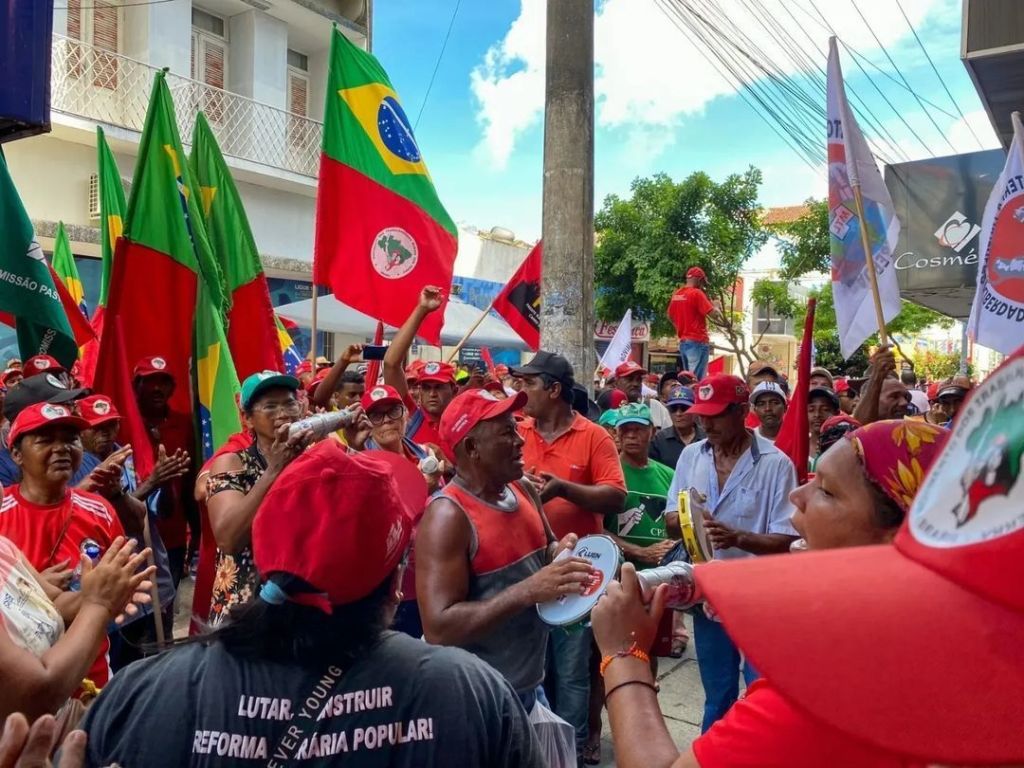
[(945, 87), (900, 73), (437, 64)]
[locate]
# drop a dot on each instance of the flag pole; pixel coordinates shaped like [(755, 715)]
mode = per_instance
[(471, 330), (312, 340), (154, 590), (869, 262)]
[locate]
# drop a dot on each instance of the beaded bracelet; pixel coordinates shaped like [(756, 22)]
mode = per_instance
[(630, 682), (633, 650)]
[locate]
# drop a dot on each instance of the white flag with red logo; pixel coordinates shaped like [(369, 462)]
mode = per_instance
[(997, 315), (850, 164), (619, 347)]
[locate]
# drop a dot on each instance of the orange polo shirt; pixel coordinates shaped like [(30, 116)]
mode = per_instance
[(585, 454)]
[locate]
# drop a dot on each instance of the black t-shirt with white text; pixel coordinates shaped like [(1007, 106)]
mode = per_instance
[(404, 703)]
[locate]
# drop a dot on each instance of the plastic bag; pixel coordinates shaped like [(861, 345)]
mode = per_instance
[(557, 738)]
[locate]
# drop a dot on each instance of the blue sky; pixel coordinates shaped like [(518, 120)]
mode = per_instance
[(660, 107)]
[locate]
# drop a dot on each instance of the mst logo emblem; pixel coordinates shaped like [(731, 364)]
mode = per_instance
[(973, 492), (394, 253)]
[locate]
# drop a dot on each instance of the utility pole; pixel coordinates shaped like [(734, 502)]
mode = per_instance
[(567, 293)]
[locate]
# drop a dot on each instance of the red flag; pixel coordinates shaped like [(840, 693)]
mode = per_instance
[(373, 368), (716, 366), (519, 300), (794, 434), (113, 378), (485, 353)]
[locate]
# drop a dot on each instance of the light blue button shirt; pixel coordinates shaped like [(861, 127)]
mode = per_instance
[(755, 497)]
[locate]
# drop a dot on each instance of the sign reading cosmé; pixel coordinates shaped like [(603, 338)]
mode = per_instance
[(940, 203)]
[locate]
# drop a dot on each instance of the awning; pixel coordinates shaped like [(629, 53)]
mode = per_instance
[(459, 317)]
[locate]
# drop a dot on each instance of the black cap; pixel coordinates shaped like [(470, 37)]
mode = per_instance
[(42, 388), (553, 365), (824, 393)]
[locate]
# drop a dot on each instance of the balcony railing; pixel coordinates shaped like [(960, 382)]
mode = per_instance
[(113, 89)]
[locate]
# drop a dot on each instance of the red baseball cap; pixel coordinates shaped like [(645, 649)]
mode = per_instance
[(442, 373), (471, 407), (313, 523), (412, 370), (380, 396), (839, 418), (35, 417), (501, 370), (313, 383), (98, 409), (152, 366), (933, 392), (304, 367), (628, 368), (695, 272), (716, 393), (11, 373), (890, 682), (493, 385), (42, 364)]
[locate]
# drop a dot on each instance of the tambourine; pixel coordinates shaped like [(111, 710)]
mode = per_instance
[(570, 611), (692, 506)]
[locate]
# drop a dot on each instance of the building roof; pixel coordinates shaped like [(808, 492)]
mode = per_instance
[(786, 214)]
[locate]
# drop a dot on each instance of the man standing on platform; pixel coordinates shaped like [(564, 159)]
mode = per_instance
[(575, 467), (689, 310)]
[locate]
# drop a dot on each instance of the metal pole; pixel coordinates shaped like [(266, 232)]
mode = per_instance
[(965, 349), (567, 304), (312, 336)]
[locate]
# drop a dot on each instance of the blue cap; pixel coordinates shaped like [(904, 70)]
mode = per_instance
[(681, 396)]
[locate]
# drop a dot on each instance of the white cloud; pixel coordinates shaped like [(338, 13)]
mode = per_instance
[(960, 134), (648, 75)]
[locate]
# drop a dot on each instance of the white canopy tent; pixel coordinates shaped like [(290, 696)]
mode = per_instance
[(335, 317)]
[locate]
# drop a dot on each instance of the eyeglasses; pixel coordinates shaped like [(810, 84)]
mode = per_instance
[(394, 413), (289, 407)]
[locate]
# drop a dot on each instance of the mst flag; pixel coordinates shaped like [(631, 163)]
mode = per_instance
[(381, 231), (163, 252), (29, 290), (850, 164), (794, 434), (997, 315), (519, 300), (251, 329), (63, 263), (112, 213)]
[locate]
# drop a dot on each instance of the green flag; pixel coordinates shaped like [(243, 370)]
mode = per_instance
[(28, 290), (64, 266), (112, 209), (216, 381)]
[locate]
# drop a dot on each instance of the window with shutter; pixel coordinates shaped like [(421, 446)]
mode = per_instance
[(75, 50), (298, 104), (214, 56), (105, 33)]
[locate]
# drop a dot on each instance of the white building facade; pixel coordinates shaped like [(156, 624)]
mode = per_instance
[(256, 68)]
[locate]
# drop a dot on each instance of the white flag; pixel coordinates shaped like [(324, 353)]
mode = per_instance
[(619, 347), (851, 164), (997, 315)]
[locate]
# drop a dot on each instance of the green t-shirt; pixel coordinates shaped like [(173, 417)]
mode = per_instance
[(643, 520)]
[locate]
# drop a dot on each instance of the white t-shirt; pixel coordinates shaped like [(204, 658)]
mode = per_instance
[(27, 614), (660, 417)]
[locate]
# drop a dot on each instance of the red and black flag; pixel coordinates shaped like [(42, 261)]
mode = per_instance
[(519, 300)]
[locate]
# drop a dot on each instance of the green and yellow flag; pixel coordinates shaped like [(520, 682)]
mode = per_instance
[(64, 266), (112, 209)]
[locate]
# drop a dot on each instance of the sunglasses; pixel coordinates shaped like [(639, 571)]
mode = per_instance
[(678, 408)]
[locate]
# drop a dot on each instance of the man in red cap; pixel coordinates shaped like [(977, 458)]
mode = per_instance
[(154, 384), (575, 467), (744, 482), (852, 642), (309, 673), (46, 364), (629, 379), (435, 381), (484, 549), (689, 310)]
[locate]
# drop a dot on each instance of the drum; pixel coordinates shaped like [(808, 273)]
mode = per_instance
[(573, 611), (692, 506)]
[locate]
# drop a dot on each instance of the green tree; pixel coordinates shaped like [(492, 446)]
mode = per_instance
[(646, 243), (804, 245)]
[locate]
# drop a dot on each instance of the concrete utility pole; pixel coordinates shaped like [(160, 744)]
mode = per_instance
[(567, 293)]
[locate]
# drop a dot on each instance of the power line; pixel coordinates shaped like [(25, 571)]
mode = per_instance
[(437, 64), (898, 72), (924, 50)]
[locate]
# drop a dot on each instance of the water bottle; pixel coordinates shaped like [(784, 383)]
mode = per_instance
[(90, 549), (682, 587), (323, 424)]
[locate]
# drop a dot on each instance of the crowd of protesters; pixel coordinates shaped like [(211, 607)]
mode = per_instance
[(372, 594)]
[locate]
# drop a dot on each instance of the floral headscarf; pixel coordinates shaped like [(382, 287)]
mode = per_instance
[(896, 455)]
